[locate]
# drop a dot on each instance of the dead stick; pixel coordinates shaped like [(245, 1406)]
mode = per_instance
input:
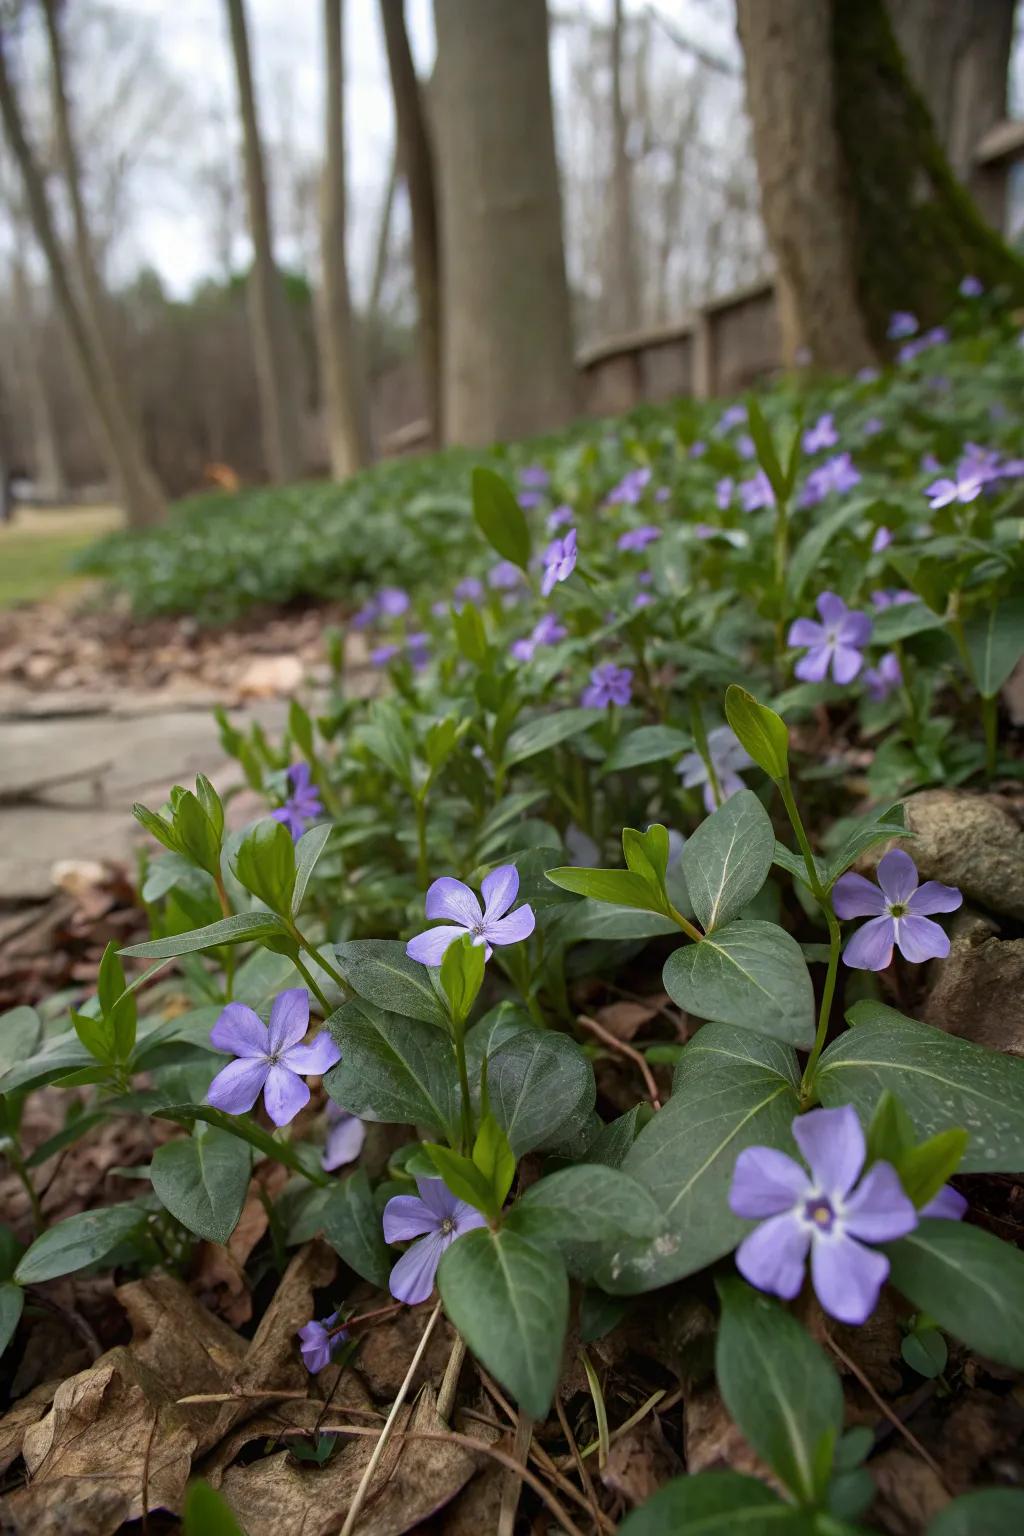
[(581, 1466), (450, 1380), (513, 1483), (883, 1407), (614, 1044)]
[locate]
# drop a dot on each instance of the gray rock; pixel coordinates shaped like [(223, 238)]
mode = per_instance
[(971, 841), (977, 992)]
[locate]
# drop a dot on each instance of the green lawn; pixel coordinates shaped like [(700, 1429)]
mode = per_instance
[(36, 550)]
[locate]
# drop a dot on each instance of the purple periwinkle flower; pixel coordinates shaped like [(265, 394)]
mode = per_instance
[(529, 499), (345, 1136), (643, 600), (866, 375), (418, 647), (630, 488), (547, 631), (392, 602), (900, 911), (381, 655), (609, 685), (724, 492), (891, 597), (745, 446), (639, 538), (965, 486), (727, 758), (884, 679), (504, 577), (901, 325), (873, 426), (734, 416), (821, 435), (302, 804), (882, 539), (971, 287), (469, 590), (319, 1342), (559, 562), (436, 1218), (535, 477), (560, 517), (269, 1060), (756, 493), (826, 1212), (836, 476), (698, 448), (979, 463), (455, 901), (836, 643), (662, 493)]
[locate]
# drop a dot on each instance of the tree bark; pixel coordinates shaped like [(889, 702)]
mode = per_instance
[(621, 301), (416, 157), (507, 342), (862, 211), (47, 467), (348, 427), (279, 401), (135, 483)]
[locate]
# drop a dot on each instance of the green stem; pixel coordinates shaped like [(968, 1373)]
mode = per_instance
[(15, 1160), (687, 927), (781, 562), (313, 985), (320, 959), (458, 1039), (786, 790), (827, 994), (422, 867), (700, 737)]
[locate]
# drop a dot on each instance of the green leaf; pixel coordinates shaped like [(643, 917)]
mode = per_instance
[(540, 1086), (208, 1514), (393, 1069), (462, 976), (470, 634), (196, 834), (620, 887), (581, 920), (970, 1282), (386, 736), (300, 728), (924, 1169), (727, 860), (380, 971), (463, 1178), (759, 730), (500, 518), (748, 973), (867, 832), (988, 1512), (767, 458), (806, 557), (57, 1055), (995, 643), (510, 1302), (238, 929), (495, 1159), (548, 731), (943, 1082), (904, 620), (78, 1242), (717, 1504), (158, 827), (352, 1226), (96, 1034), (780, 1388), (593, 1203), (20, 1032), (12, 1300), (307, 852), (925, 1353), (733, 1089), (202, 1180), (265, 864), (648, 744), (245, 1129)]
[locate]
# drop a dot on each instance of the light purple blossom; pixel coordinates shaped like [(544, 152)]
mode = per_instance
[(866, 375), (698, 448), (901, 325), (609, 685), (630, 488), (836, 476), (469, 590), (827, 1213), (504, 577), (734, 416), (745, 446), (891, 597), (821, 435), (882, 539), (948, 1205), (724, 491), (535, 477), (900, 912), (662, 494), (529, 499), (269, 1060), (559, 562), (635, 539), (392, 602), (835, 644), (366, 615), (756, 493), (302, 804), (560, 517), (873, 426), (705, 530), (318, 1343), (345, 1136), (418, 647), (971, 287), (382, 654), (547, 631), (984, 464), (884, 679), (964, 487), (911, 349), (436, 1218), (727, 758), (451, 899)]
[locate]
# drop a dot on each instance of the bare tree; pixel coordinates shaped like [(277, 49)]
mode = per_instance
[(279, 400), (48, 467), (622, 302), (507, 348), (348, 430)]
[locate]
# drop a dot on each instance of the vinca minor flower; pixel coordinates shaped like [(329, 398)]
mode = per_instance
[(963, 486), (345, 1136), (836, 643), (827, 1213), (727, 758), (436, 1218), (318, 1343), (269, 1060), (303, 803), (547, 631), (559, 562), (452, 899), (900, 911), (884, 679), (609, 685), (639, 538)]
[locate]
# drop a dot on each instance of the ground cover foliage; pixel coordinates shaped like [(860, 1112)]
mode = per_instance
[(650, 1123)]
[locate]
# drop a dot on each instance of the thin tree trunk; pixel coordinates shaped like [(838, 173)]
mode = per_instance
[(507, 348), (382, 247), (348, 429), (135, 483), (416, 157), (46, 460), (272, 350), (621, 302)]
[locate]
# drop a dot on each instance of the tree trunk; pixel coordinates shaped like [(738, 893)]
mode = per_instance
[(621, 299), (862, 212), (416, 157), (47, 468), (279, 401), (135, 483), (382, 248), (348, 428), (507, 342)]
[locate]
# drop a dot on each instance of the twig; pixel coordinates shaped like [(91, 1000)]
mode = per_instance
[(450, 1381), (620, 1046), (883, 1407), (389, 1424), (513, 1483), (581, 1466)]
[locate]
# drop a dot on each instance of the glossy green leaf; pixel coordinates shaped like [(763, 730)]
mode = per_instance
[(393, 1069), (208, 1514), (548, 731), (727, 860), (241, 928), (78, 1242), (380, 971), (12, 1301), (648, 744), (20, 1032), (969, 1281), (759, 730), (265, 864), (462, 976), (202, 1180), (748, 973), (541, 1086), (307, 853), (500, 518), (716, 1504), (995, 643), (619, 887), (593, 1203), (987, 1512), (352, 1225), (245, 1129)]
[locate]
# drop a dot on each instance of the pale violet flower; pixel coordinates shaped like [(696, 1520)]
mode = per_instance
[(724, 492), (900, 911), (345, 1136), (319, 1338), (547, 631), (271, 1060), (434, 1219), (303, 803), (559, 562), (609, 685), (756, 493), (881, 540), (821, 435), (727, 758), (884, 679), (559, 517), (971, 287), (833, 645), (451, 899), (964, 486), (636, 539), (901, 325)]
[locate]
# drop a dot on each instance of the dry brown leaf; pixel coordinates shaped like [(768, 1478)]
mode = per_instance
[(712, 1439), (385, 1352), (27, 1411), (623, 1019), (909, 1496), (640, 1461)]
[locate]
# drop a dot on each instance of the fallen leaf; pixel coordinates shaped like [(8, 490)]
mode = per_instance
[(640, 1461)]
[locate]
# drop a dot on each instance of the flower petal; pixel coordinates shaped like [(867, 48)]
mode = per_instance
[(499, 890), (897, 875), (805, 632), (466, 1218), (407, 1216), (512, 929), (879, 1210), (832, 1141), (853, 896), (846, 663), (772, 1257), (855, 630), (919, 939), (766, 1182), (289, 1019), (344, 1142), (316, 1058), (284, 1094), (240, 1031), (870, 948), (847, 1277), (812, 667), (236, 1088), (437, 1197), (412, 1278), (934, 897), (428, 948), (948, 1205), (832, 608), (454, 900)]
